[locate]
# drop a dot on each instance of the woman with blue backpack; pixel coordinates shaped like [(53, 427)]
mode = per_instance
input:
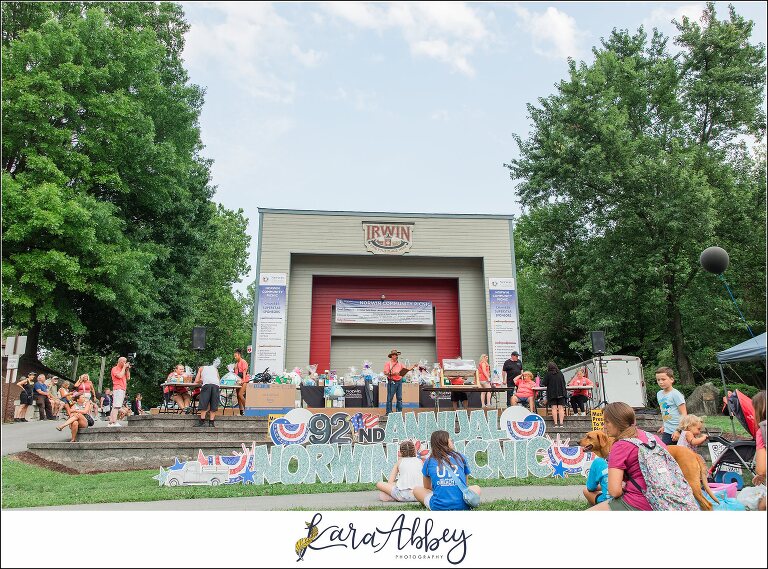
[(642, 475), (445, 477)]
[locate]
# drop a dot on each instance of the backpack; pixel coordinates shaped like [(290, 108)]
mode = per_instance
[(667, 488)]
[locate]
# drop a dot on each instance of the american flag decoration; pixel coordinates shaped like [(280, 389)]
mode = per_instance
[(364, 421)]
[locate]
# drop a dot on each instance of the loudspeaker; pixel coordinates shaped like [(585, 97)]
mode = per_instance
[(598, 342), (198, 338)]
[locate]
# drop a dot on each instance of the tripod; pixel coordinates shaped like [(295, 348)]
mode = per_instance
[(603, 401)]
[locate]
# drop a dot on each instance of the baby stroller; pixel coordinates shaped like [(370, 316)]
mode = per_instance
[(737, 453)]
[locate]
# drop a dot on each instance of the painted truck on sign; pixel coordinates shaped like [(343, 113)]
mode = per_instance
[(195, 473)]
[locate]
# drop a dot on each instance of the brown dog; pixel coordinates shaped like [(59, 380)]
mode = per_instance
[(695, 472), (597, 442), (691, 463)]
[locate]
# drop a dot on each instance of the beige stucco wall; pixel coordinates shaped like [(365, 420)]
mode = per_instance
[(303, 245)]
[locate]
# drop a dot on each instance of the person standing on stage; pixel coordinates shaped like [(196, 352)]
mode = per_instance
[(241, 371), (121, 373), (395, 371), (512, 368)]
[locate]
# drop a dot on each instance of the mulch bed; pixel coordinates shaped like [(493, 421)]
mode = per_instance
[(31, 458)]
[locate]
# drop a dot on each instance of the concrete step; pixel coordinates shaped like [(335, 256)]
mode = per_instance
[(127, 455), (230, 434), (187, 421)]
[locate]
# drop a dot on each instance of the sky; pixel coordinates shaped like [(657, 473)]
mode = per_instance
[(396, 107)]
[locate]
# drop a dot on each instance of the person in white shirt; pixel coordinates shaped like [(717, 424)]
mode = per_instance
[(405, 476), (208, 401)]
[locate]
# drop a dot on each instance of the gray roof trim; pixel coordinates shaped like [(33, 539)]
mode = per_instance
[(385, 214)]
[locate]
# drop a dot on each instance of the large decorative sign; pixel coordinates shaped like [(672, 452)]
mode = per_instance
[(388, 238), (383, 312), (270, 325), (313, 448), (505, 335)]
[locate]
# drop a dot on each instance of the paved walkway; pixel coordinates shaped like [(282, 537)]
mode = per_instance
[(15, 436), (319, 501)]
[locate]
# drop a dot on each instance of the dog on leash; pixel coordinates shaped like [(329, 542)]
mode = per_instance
[(690, 462)]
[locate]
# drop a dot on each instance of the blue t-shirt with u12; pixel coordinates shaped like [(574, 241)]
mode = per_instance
[(598, 476), (446, 495)]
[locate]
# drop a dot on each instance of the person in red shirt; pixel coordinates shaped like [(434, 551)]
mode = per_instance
[(85, 385), (241, 371), (395, 371), (579, 397), (121, 373)]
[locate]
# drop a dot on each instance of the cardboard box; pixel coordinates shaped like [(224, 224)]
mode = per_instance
[(410, 393), (270, 395), (230, 412)]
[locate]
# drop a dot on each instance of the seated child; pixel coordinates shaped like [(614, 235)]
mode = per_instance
[(407, 472), (690, 432), (597, 482)]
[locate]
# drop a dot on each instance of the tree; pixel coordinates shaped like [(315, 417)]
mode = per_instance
[(110, 236), (641, 148), (105, 195)]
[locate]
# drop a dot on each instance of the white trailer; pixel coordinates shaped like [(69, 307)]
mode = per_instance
[(623, 378)]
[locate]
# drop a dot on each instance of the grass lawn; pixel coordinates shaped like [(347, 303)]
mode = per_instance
[(496, 505), (27, 486), (724, 424)]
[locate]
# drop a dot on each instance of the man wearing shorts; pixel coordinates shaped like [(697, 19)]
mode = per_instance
[(121, 373), (208, 401)]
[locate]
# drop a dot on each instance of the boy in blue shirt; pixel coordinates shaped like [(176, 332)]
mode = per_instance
[(597, 482), (672, 405)]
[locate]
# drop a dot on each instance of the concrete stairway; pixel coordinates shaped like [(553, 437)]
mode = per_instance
[(151, 441)]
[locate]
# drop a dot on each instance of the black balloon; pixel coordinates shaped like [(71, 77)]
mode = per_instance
[(714, 259)]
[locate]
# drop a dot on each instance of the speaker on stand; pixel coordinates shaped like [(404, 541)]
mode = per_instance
[(198, 343), (598, 349)]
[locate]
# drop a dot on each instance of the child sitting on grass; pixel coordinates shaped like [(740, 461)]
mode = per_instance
[(690, 432), (405, 475)]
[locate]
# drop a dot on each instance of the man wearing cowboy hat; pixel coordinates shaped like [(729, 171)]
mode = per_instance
[(395, 371)]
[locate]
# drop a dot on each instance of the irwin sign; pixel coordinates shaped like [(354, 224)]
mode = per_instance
[(388, 238)]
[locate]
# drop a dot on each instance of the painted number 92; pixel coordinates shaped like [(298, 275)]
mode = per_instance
[(334, 430)]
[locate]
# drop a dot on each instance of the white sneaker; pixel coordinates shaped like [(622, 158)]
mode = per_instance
[(114, 425)]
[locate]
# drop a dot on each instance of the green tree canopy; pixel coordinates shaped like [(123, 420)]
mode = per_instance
[(107, 212), (634, 166)]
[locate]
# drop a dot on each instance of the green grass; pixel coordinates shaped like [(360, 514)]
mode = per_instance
[(724, 424), (495, 505), (28, 486)]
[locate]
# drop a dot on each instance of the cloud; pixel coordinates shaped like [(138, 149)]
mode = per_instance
[(309, 58), (448, 32), (554, 33), (662, 17), (247, 41)]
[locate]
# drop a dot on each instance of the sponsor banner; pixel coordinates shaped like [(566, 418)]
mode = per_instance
[(270, 325), (388, 238), (383, 312), (505, 334)]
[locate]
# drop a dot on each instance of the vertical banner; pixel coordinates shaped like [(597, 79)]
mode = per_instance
[(270, 325), (505, 334)]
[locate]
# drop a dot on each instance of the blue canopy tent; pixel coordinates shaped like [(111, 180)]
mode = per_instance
[(752, 349)]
